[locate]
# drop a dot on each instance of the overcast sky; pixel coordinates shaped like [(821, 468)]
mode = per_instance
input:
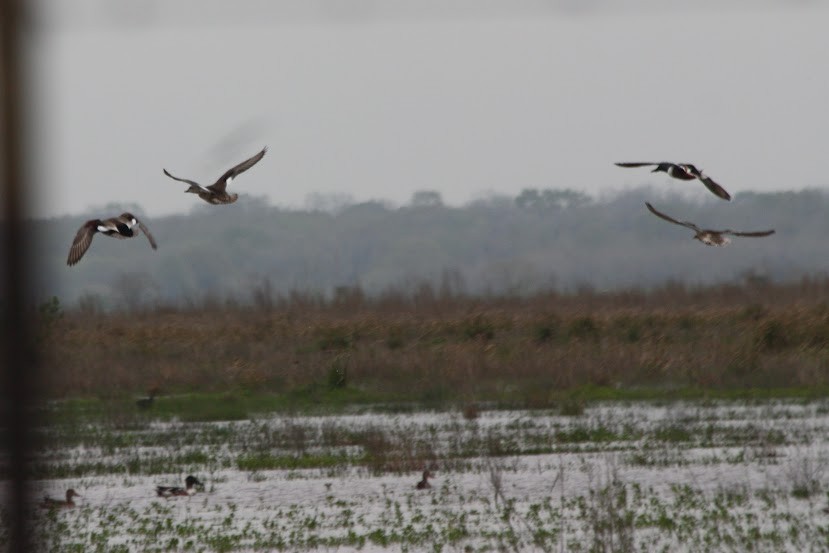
[(378, 100)]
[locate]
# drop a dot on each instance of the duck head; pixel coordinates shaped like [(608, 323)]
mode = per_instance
[(191, 481)]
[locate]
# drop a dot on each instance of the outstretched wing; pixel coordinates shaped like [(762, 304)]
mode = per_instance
[(755, 233), (231, 174), (191, 183), (709, 183), (661, 215), (635, 164), (718, 190), (82, 241), (146, 232)]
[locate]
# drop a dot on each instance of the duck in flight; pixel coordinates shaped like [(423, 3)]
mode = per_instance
[(50, 503), (171, 491), (707, 236), (683, 171), (217, 193), (122, 226)]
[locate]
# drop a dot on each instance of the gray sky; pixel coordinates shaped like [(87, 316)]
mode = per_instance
[(380, 100)]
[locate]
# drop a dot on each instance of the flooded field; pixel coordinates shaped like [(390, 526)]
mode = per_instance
[(713, 476)]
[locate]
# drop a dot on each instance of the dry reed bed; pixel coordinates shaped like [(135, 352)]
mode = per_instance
[(424, 347)]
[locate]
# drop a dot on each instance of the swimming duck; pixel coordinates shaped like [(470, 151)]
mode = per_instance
[(683, 171), (707, 236), (171, 491), (216, 193), (147, 402), (116, 227), (51, 503), (424, 484)]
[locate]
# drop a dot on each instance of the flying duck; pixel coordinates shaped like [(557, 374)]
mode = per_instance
[(684, 171), (216, 193), (117, 227), (707, 236), (171, 491), (50, 503), (424, 484)]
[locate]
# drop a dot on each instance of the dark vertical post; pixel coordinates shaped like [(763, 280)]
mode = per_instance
[(18, 353)]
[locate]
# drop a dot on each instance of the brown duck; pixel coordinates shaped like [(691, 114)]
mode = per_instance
[(122, 226), (707, 236), (145, 403), (217, 193), (683, 171), (424, 484), (50, 503)]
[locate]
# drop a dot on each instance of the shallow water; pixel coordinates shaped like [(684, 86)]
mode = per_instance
[(682, 476)]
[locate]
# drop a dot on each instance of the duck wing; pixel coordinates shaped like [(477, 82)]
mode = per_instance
[(718, 190), (661, 215), (636, 164), (146, 232), (231, 173), (190, 182), (753, 233), (709, 183), (82, 240)]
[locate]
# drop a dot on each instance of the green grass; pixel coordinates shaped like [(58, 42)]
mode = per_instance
[(323, 399)]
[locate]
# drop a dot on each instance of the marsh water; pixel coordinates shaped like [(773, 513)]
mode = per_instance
[(623, 476)]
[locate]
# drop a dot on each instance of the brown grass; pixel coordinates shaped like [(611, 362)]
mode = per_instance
[(428, 347)]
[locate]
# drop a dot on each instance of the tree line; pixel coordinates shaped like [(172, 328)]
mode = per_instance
[(542, 239)]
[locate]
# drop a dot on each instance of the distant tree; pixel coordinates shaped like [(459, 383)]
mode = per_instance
[(116, 208), (529, 198), (329, 202), (550, 200), (134, 289), (90, 304), (612, 242), (566, 198), (252, 203), (492, 201), (365, 209), (426, 198)]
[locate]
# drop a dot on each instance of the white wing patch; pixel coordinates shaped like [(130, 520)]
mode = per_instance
[(712, 240), (683, 169)]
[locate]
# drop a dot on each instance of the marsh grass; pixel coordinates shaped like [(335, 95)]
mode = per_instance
[(806, 474), (607, 509), (514, 351)]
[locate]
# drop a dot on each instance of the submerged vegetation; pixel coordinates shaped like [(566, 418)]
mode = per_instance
[(698, 476)]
